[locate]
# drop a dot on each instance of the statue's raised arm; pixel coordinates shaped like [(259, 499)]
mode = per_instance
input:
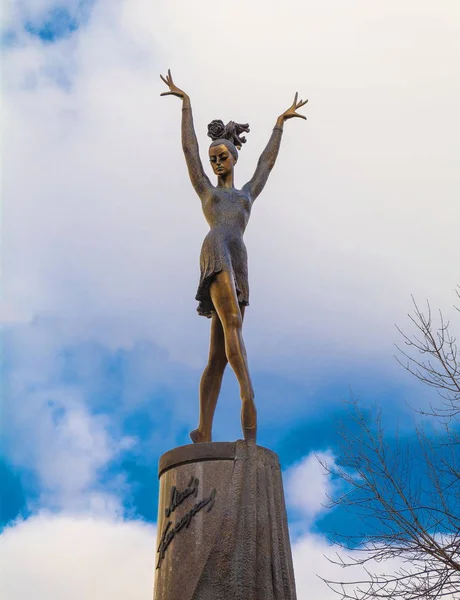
[(268, 157), (190, 147)]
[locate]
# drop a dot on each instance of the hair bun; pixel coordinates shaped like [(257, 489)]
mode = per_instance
[(232, 132)]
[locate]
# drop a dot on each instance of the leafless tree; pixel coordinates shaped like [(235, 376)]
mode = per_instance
[(404, 495), (431, 355)]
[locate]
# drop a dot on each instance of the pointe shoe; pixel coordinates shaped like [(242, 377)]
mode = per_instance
[(249, 433), (249, 415), (197, 437)]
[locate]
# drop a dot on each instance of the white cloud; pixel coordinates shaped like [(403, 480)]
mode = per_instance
[(64, 444), (310, 554), (64, 557), (52, 429), (308, 485)]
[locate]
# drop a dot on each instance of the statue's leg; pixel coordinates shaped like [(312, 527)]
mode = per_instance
[(211, 381), (225, 300)]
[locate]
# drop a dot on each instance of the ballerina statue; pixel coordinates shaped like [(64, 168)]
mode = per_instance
[(223, 291)]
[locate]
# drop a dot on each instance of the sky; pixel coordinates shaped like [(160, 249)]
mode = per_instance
[(102, 349)]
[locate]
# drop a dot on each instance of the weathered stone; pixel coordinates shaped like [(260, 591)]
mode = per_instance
[(222, 526)]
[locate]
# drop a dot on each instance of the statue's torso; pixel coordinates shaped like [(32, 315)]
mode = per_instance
[(227, 209)]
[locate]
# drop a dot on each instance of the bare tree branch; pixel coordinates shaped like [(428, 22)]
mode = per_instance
[(431, 355), (405, 496)]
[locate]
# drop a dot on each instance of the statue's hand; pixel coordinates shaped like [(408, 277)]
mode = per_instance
[(173, 89), (291, 111)]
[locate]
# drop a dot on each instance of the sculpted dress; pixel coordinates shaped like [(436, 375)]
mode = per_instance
[(227, 211)]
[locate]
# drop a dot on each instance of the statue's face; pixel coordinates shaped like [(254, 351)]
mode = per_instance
[(222, 160)]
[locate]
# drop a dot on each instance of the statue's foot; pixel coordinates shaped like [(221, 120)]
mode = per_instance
[(197, 437), (249, 421), (250, 434)]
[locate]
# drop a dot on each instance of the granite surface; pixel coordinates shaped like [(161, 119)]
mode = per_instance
[(222, 526)]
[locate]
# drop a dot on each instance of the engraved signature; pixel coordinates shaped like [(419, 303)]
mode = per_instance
[(169, 532), (178, 497)]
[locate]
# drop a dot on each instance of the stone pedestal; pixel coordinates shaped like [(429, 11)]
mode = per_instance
[(222, 527)]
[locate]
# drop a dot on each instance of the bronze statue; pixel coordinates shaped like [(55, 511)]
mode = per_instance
[(223, 291)]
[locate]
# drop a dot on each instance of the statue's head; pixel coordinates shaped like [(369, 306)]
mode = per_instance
[(223, 151), (223, 156)]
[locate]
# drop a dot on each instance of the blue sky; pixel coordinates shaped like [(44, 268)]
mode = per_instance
[(102, 350)]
